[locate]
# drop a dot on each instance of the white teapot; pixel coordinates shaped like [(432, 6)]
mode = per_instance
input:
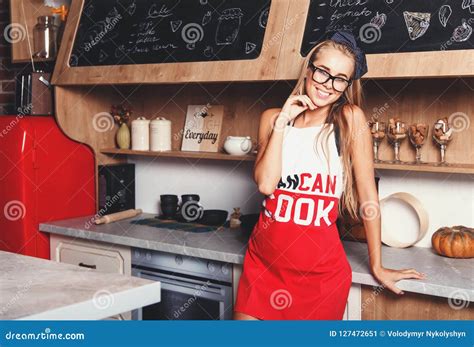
[(238, 145)]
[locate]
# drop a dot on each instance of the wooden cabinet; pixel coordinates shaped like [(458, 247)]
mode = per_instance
[(380, 304), (23, 18), (353, 306), (237, 272), (280, 57), (94, 255)]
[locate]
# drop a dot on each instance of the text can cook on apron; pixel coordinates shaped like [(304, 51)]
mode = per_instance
[(295, 266)]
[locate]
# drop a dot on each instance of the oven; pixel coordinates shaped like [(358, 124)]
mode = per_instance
[(191, 288)]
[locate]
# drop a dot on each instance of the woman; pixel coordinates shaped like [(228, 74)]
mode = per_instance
[(315, 153)]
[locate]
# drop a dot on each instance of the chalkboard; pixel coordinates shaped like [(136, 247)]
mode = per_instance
[(390, 26), (122, 32)]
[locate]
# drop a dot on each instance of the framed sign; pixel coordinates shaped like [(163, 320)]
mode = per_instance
[(202, 128)]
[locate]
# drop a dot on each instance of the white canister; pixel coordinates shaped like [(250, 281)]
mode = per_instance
[(141, 134), (160, 134)]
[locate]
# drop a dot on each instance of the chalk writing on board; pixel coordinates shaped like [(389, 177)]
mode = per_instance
[(392, 26), (209, 51), (468, 5), (112, 32), (444, 13), (249, 47), (263, 19), (379, 20), (462, 33), (163, 12), (228, 26), (207, 18), (417, 23), (131, 8), (175, 25)]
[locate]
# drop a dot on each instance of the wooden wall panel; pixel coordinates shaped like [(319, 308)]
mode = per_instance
[(83, 114), (385, 305), (79, 108), (411, 100), (243, 105), (425, 100)]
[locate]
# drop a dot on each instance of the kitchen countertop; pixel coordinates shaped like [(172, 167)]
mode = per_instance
[(226, 245), (38, 289), (446, 277)]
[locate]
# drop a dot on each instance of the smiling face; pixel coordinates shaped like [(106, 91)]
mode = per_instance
[(336, 63)]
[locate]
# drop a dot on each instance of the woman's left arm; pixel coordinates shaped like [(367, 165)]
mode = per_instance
[(369, 210)]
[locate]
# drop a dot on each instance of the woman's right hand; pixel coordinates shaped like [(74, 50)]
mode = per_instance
[(294, 105)]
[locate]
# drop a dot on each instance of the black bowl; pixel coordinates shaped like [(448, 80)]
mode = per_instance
[(248, 222), (213, 217)]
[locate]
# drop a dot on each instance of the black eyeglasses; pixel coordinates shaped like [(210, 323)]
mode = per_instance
[(321, 76)]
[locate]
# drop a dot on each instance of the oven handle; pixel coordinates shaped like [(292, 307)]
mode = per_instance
[(183, 282)]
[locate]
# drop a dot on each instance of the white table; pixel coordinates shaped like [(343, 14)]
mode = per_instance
[(39, 289)]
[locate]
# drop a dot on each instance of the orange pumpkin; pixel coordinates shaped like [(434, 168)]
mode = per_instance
[(454, 242)]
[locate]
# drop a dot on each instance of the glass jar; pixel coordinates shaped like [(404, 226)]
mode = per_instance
[(45, 37)]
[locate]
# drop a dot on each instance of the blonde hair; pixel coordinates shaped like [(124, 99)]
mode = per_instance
[(351, 96)]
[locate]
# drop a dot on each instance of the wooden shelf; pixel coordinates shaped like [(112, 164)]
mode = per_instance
[(180, 154), (430, 167), (36, 60)]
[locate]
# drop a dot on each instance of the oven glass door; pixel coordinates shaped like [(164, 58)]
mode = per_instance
[(184, 298)]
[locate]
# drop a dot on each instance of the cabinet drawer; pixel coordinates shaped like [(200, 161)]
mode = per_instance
[(99, 256), (97, 259)]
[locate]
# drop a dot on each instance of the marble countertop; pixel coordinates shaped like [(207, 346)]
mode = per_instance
[(446, 277), (227, 245), (38, 289)]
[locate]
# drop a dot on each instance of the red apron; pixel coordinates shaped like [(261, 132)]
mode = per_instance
[(295, 266)]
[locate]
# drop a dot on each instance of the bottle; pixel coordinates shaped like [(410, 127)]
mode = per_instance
[(45, 38)]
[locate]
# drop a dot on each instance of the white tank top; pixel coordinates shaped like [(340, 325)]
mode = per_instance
[(301, 153), (305, 171)]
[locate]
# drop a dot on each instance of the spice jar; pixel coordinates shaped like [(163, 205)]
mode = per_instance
[(140, 134)]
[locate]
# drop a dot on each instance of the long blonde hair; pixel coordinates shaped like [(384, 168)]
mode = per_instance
[(351, 96)]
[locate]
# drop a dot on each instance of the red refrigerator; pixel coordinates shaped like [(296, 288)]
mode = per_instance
[(44, 176)]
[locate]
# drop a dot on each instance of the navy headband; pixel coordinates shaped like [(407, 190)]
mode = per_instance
[(346, 38)]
